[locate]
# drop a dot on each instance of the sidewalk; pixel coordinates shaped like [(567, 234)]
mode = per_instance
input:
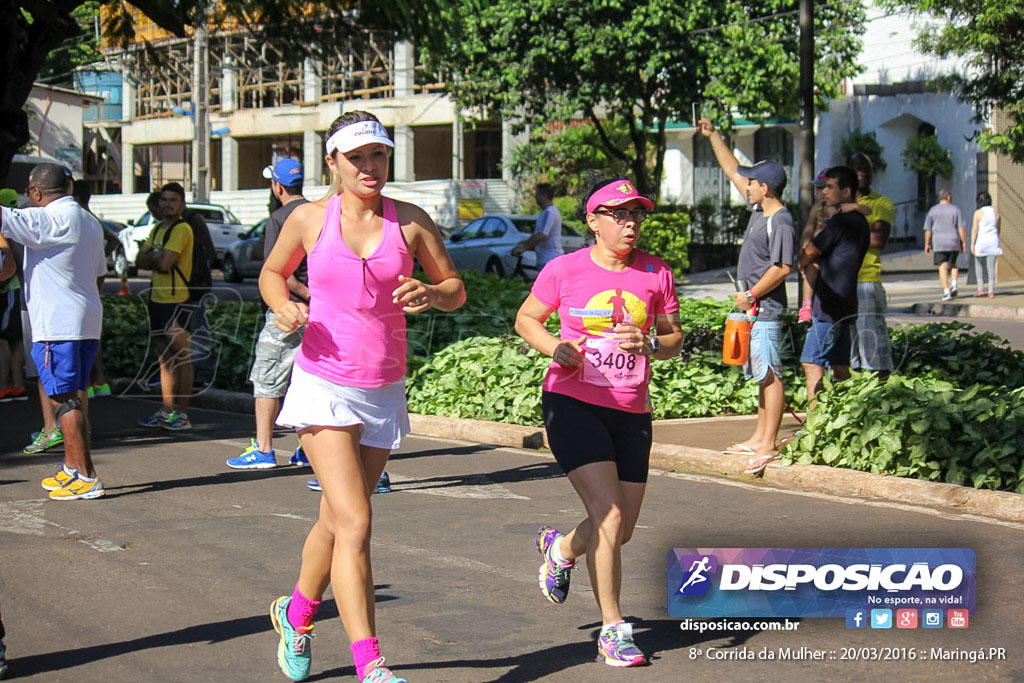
[(912, 286)]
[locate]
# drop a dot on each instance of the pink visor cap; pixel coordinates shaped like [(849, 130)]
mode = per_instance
[(615, 193)]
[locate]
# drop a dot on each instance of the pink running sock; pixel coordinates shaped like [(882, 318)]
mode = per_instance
[(301, 609), (363, 652)]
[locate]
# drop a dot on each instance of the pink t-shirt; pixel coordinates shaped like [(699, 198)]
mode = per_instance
[(590, 301), (355, 334)]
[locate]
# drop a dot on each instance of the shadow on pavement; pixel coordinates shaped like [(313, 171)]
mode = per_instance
[(227, 477), (546, 470)]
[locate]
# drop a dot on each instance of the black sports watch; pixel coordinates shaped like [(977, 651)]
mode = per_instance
[(655, 344)]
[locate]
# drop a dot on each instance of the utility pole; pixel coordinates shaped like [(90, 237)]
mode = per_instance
[(201, 109), (806, 108)]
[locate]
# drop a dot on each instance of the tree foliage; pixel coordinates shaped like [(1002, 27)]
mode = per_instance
[(924, 154), (988, 36), (867, 144), (642, 63)]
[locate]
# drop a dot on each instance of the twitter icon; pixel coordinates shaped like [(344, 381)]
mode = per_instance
[(881, 618)]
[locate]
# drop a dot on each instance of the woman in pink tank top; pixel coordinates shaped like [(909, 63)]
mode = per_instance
[(347, 392)]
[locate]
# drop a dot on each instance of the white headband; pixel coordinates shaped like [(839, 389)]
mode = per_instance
[(356, 135)]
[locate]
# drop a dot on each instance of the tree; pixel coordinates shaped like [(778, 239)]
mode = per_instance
[(642, 63), (35, 28), (987, 35)]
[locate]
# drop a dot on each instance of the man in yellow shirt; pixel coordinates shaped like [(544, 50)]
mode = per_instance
[(167, 252), (872, 349)]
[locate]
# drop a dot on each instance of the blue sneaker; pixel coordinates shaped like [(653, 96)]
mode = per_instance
[(294, 654), (299, 458), (313, 485), (252, 458), (383, 484), (157, 419)]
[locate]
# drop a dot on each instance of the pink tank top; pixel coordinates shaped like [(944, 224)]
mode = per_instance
[(355, 335)]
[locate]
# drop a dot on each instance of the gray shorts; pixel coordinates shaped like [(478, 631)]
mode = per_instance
[(275, 354), (871, 348)]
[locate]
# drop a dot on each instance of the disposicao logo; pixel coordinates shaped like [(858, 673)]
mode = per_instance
[(817, 582)]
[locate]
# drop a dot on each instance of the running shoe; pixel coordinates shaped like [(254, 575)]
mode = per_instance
[(953, 290), (79, 489), (177, 422), (60, 479), (947, 296), (44, 441), (252, 458), (294, 654), (553, 578), (18, 394), (157, 419), (299, 458), (377, 672), (615, 646), (313, 485), (383, 484)]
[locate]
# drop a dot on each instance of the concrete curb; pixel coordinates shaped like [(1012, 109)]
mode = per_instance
[(966, 311), (832, 480), (820, 478)]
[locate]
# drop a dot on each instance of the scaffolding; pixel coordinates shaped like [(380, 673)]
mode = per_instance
[(161, 74)]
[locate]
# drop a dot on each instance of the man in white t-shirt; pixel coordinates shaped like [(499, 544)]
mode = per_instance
[(547, 238), (63, 263)]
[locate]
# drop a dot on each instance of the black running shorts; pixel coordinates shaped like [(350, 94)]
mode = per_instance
[(581, 433)]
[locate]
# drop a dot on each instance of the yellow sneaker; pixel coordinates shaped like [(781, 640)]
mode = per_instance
[(59, 480), (79, 489)]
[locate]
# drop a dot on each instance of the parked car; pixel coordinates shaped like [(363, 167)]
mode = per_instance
[(224, 229), (485, 244), (244, 257), (115, 259)]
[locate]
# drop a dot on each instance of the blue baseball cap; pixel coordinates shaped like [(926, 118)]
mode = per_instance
[(287, 172), (771, 173)]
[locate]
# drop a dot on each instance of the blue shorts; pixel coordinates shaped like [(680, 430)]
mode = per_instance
[(64, 366), (765, 341), (827, 344)]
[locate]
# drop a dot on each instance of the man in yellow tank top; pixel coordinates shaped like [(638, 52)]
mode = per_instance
[(871, 349)]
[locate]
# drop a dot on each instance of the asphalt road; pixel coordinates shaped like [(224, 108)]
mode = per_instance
[(170, 576)]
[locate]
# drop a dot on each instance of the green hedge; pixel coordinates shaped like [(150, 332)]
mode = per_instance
[(918, 427)]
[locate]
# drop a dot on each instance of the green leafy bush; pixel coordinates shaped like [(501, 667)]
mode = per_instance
[(918, 427), (667, 235), (923, 154), (955, 352), (865, 143), (234, 328)]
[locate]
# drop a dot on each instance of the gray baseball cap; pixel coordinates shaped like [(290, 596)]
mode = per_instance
[(771, 173)]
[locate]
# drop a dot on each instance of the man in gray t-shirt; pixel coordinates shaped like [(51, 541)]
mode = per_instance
[(766, 258), (945, 236)]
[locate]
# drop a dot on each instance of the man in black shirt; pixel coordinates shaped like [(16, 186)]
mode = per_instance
[(839, 251), (275, 350)]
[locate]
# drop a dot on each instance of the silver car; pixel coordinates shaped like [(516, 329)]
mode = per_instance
[(224, 228), (485, 245), (244, 257)]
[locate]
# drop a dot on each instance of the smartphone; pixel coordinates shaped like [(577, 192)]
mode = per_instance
[(696, 113)]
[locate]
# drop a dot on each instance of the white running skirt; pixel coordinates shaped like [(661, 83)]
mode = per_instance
[(381, 414)]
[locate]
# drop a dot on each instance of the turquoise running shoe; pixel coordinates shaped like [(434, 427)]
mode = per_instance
[(376, 672), (294, 654)]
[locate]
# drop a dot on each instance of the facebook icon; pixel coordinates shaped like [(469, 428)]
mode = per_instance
[(856, 618)]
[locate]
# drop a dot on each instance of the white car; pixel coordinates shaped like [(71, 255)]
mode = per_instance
[(224, 229), (485, 244)]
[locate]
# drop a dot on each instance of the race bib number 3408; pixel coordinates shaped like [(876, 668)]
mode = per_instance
[(609, 366)]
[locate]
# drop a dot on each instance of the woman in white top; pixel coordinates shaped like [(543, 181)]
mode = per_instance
[(985, 244)]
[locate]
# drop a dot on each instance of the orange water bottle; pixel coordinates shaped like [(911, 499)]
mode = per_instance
[(736, 346)]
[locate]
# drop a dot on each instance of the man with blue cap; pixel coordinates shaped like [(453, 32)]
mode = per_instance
[(275, 350), (766, 258)]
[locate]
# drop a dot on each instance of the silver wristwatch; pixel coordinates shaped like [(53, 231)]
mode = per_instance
[(655, 344)]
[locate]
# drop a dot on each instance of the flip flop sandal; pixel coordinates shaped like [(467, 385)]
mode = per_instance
[(757, 465), (740, 449)]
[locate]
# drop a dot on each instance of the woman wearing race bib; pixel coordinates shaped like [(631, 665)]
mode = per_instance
[(618, 309), (347, 392)]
